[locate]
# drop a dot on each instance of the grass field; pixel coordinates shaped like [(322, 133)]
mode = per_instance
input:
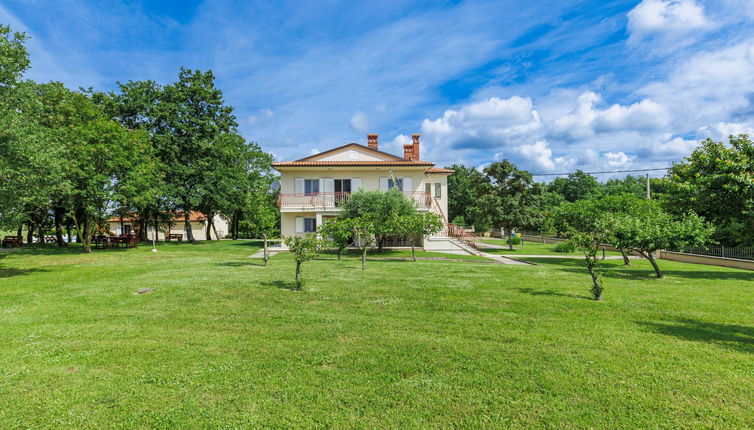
[(223, 342)]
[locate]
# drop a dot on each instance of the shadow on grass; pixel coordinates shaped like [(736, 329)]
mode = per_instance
[(259, 263), (9, 272), (255, 243), (283, 285), (534, 292), (733, 336), (616, 270)]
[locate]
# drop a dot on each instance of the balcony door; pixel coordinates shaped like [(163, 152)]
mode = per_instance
[(311, 186), (342, 185)]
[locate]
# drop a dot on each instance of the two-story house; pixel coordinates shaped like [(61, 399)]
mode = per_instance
[(314, 188)]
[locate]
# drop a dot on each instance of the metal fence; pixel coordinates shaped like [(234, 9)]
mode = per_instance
[(719, 251)]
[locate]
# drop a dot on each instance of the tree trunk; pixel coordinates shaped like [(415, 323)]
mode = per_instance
[(59, 212), (30, 234), (187, 224), (379, 243), (266, 253), (597, 289), (626, 260), (214, 229), (68, 230), (209, 226), (651, 259), (364, 258), (143, 225), (41, 233), (20, 230), (298, 275), (84, 232), (413, 251), (508, 238), (234, 226)]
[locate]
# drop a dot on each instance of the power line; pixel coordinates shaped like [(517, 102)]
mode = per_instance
[(606, 171)]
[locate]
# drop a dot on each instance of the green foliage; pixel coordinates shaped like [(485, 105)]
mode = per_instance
[(416, 226), (715, 182), (513, 241), (577, 186), (379, 208), (510, 198), (304, 248), (565, 247), (463, 191), (340, 233)]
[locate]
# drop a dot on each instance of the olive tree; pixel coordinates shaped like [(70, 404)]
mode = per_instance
[(416, 226), (340, 233), (304, 248)]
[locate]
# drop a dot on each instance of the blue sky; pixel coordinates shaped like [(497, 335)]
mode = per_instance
[(553, 86)]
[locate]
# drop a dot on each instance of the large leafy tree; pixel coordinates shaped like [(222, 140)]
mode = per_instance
[(510, 198), (190, 119), (577, 186), (717, 182), (463, 186)]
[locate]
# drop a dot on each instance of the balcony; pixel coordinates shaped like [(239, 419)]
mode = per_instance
[(294, 202)]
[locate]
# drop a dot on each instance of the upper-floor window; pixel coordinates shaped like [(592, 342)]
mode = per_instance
[(391, 185), (342, 185), (311, 186), (438, 190)]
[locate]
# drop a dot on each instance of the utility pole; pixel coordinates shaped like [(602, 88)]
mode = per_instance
[(649, 195)]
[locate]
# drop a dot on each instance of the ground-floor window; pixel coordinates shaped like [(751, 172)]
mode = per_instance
[(306, 224)]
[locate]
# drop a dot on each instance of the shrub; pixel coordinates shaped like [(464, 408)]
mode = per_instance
[(513, 241), (565, 247)]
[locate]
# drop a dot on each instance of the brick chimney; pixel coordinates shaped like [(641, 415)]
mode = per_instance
[(372, 141), (411, 151)]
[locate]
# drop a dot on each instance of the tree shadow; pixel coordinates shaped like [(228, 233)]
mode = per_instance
[(616, 270), (734, 336), (254, 243), (283, 285), (534, 292), (241, 263), (9, 272)]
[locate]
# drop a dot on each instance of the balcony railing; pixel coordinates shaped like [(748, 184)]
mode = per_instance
[(312, 201)]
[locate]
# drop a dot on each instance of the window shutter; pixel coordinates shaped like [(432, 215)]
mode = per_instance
[(383, 184), (355, 185), (438, 190), (299, 186), (299, 224), (329, 185), (407, 185)]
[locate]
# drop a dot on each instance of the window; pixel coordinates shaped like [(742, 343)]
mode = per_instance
[(311, 186), (310, 225), (428, 188), (342, 185), (438, 190), (391, 185)]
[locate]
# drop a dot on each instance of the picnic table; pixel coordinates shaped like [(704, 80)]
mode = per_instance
[(176, 236), (13, 241), (127, 240)]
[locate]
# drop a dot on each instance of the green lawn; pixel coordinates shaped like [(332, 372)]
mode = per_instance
[(224, 342)]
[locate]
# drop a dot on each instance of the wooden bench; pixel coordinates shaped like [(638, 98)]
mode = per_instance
[(176, 236), (13, 241)]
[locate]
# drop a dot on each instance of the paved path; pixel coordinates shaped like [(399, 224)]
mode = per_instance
[(260, 253), (505, 260)]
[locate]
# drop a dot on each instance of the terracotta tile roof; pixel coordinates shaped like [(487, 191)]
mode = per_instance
[(193, 216), (352, 163), (438, 170)]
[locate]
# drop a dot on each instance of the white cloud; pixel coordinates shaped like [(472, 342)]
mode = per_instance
[(722, 130), (617, 159), (586, 121), (666, 18), (671, 149), (487, 124), (537, 156), (359, 122)]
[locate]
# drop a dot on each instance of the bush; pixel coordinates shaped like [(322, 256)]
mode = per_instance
[(565, 247), (513, 241)]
